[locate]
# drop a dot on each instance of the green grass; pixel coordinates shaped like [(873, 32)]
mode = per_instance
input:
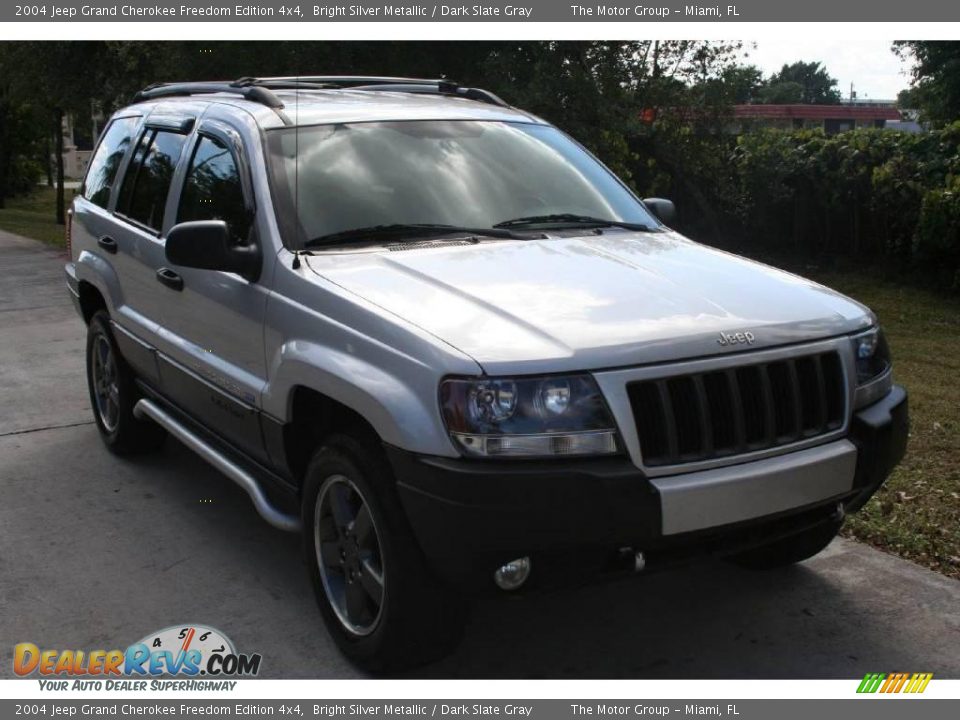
[(34, 216), (916, 514)]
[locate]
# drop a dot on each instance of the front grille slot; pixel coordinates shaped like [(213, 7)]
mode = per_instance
[(719, 413)]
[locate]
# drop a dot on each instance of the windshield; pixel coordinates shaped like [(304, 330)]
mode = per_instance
[(462, 173)]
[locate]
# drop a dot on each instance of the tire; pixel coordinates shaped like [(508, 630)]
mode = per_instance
[(355, 528), (789, 550), (113, 394)]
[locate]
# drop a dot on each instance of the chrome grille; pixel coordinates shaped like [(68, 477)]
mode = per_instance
[(720, 413)]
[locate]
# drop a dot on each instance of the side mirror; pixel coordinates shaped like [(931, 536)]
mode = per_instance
[(206, 244), (663, 209)]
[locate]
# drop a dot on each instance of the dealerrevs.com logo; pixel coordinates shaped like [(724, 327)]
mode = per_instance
[(181, 651)]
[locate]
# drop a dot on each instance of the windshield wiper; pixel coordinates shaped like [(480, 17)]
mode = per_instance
[(571, 219), (407, 230)]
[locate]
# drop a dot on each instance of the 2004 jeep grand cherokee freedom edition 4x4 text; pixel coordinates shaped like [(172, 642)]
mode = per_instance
[(440, 337)]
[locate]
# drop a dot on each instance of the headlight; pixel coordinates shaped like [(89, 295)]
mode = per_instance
[(872, 356), (528, 417)]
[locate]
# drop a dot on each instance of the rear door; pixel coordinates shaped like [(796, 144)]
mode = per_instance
[(211, 338), (94, 231)]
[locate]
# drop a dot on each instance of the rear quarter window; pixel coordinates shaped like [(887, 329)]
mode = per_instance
[(106, 160)]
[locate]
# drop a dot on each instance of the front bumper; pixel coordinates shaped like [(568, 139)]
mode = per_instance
[(578, 518)]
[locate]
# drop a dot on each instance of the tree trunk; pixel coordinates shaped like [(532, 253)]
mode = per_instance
[(48, 166), (61, 209)]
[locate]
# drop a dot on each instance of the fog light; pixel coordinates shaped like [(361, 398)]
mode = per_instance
[(513, 574)]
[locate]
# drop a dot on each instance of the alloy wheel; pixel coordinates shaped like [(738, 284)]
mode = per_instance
[(106, 384), (349, 555)]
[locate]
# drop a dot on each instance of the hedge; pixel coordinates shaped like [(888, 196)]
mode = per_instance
[(872, 196)]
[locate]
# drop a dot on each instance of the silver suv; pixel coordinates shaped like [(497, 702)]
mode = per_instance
[(441, 338)]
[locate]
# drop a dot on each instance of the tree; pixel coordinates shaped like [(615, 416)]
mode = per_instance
[(20, 139), (56, 78), (816, 87), (935, 78), (908, 99), (743, 83), (782, 93)]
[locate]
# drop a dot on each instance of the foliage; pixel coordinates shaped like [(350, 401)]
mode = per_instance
[(19, 148), (804, 82), (936, 78), (937, 242), (870, 196)]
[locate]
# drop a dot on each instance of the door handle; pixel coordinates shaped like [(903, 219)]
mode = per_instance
[(169, 278), (108, 244)]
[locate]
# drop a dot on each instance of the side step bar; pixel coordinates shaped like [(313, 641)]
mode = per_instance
[(149, 409)]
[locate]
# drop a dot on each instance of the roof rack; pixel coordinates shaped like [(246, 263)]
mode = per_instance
[(261, 89), (347, 81), (438, 86), (256, 93)]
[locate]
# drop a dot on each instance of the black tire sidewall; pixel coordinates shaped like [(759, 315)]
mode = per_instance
[(100, 327), (420, 618), (130, 435), (328, 462)]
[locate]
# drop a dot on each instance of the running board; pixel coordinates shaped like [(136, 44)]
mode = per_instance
[(148, 408)]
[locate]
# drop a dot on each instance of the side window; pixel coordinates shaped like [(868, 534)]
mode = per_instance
[(106, 161), (143, 194), (212, 189)]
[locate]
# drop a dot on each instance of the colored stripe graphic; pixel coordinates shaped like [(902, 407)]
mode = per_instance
[(870, 683), (894, 682)]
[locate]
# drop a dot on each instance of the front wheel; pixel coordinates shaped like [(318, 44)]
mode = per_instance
[(382, 605), (789, 550)]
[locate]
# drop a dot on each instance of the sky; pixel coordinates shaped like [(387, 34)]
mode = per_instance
[(868, 63)]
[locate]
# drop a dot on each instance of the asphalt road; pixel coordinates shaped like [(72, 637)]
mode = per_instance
[(96, 552)]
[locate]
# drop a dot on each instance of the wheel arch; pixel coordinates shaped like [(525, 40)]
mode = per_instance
[(316, 390), (98, 280), (91, 300), (313, 416)]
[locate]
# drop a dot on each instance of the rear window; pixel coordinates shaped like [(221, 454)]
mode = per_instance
[(106, 161), (143, 194)]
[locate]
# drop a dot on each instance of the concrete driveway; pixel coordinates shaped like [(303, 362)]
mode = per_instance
[(96, 552)]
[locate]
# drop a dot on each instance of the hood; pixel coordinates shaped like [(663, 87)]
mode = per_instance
[(582, 303)]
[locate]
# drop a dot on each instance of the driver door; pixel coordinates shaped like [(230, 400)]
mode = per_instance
[(211, 336)]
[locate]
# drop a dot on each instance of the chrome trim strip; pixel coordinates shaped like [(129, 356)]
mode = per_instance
[(696, 501), (290, 523), (613, 385)]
